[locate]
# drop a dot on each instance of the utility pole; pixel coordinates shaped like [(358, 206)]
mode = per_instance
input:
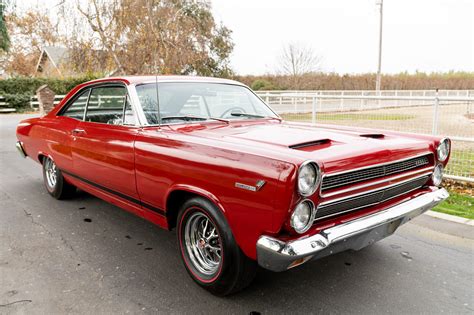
[(379, 67)]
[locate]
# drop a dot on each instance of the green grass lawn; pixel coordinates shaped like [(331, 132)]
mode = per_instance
[(345, 116), (457, 204)]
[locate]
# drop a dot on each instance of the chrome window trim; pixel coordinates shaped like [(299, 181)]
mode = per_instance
[(342, 199), (136, 107), (386, 179), (370, 204)]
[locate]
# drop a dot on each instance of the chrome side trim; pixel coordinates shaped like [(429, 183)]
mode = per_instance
[(387, 179), (278, 255), (346, 198)]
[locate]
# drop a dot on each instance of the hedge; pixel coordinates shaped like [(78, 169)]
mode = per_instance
[(18, 90), (17, 101)]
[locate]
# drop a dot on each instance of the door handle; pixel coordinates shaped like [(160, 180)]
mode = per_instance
[(78, 131)]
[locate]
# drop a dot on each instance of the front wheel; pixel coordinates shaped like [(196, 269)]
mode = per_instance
[(209, 251), (54, 181)]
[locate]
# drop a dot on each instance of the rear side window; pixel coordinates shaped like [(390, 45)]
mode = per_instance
[(106, 105), (76, 109)]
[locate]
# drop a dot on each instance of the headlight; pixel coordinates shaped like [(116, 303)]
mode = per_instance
[(437, 176), (309, 177), (442, 151), (303, 216)]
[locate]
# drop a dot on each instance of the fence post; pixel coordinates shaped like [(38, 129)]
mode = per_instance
[(341, 104), (436, 113), (267, 98), (313, 110), (468, 94)]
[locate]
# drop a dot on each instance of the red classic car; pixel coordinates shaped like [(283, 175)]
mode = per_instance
[(242, 188)]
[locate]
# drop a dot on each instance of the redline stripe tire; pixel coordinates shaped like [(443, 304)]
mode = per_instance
[(235, 270), (184, 251)]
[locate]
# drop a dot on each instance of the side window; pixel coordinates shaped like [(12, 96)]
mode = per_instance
[(76, 109), (106, 105)]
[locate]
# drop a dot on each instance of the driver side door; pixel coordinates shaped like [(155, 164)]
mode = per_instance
[(103, 143)]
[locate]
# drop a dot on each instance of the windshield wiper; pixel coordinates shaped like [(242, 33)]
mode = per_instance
[(253, 116), (183, 117), (192, 117)]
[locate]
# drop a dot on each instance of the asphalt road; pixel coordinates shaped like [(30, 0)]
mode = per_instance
[(86, 256)]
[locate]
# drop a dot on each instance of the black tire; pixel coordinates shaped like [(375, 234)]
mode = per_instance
[(235, 270), (60, 189)]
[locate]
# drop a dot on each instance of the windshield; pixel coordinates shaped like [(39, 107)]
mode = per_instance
[(185, 101)]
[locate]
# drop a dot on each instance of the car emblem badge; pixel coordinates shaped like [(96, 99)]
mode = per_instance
[(257, 186)]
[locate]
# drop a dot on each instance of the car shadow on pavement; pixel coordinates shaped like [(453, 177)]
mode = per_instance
[(328, 280), (135, 258)]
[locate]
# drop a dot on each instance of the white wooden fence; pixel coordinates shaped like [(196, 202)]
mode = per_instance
[(445, 113)]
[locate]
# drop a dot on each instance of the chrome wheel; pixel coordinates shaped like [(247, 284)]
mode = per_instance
[(203, 244), (51, 173)]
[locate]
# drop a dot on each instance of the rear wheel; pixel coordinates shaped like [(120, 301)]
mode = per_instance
[(209, 251), (54, 181)]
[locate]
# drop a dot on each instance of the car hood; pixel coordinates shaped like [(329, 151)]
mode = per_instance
[(336, 148)]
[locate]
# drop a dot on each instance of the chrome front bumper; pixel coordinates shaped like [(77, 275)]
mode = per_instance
[(21, 150), (277, 255)]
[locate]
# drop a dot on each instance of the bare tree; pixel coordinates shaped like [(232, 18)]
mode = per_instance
[(296, 60)]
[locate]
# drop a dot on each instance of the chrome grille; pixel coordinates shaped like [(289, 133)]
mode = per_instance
[(369, 199), (338, 180)]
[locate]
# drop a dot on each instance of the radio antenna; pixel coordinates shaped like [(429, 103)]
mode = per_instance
[(158, 101)]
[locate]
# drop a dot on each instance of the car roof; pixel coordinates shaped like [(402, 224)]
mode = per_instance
[(165, 78)]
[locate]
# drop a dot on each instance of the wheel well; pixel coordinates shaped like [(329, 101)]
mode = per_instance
[(40, 158), (174, 202)]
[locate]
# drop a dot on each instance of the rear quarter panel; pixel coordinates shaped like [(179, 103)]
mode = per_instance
[(49, 136)]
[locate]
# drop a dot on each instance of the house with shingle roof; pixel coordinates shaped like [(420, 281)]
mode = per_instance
[(53, 62)]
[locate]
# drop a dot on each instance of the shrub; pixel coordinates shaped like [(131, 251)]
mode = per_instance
[(17, 90), (262, 85), (18, 101)]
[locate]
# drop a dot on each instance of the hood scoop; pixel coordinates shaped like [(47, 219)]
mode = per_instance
[(311, 145), (373, 135)]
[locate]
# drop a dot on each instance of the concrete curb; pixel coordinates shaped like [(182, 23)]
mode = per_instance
[(449, 217)]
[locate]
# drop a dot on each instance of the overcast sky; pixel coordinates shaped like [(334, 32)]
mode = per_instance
[(423, 35)]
